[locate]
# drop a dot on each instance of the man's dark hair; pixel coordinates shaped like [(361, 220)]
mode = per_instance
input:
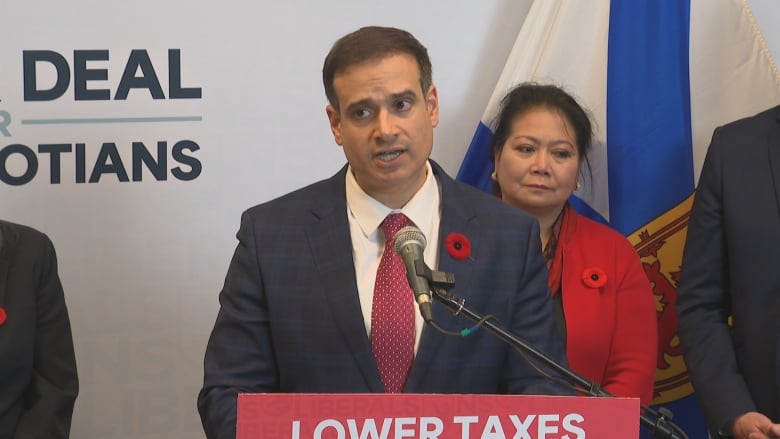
[(370, 44)]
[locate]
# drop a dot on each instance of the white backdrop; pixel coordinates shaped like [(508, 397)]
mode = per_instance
[(142, 262)]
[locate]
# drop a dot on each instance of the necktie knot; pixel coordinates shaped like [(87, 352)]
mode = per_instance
[(392, 224)]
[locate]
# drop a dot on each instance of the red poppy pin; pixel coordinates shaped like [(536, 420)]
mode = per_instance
[(458, 246), (3, 316), (594, 277)]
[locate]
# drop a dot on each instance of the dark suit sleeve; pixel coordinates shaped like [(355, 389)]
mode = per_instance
[(52, 393), (239, 356), (703, 302), (534, 322)]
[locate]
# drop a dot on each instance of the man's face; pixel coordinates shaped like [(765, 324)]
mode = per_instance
[(385, 125)]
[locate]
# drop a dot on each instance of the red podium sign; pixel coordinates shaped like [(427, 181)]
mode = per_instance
[(420, 416)]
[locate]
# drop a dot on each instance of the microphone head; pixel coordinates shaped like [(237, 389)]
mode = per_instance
[(409, 235)]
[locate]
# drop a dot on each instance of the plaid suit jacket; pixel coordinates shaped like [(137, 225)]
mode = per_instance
[(290, 317)]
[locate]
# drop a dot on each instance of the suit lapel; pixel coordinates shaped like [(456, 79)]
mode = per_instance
[(456, 217), (331, 247), (773, 143), (5, 243), (3, 279)]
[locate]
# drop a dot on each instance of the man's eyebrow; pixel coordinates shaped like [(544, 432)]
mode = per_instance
[(368, 102), (404, 94)]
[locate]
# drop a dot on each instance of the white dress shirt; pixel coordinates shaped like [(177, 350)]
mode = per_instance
[(366, 215)]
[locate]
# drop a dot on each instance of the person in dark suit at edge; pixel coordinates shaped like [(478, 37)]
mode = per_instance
[(730, 269), (297, 310), (38, 379)]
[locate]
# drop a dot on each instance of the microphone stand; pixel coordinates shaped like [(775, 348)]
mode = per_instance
[(441, 282)]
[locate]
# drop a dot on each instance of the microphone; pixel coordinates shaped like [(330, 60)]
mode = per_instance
[(409, 243)]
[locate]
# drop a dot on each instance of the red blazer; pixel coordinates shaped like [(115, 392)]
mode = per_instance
[(611, 328)]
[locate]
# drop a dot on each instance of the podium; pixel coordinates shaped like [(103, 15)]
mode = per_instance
[(434, 416)]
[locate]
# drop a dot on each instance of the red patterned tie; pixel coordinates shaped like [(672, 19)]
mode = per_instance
[(392, 314)]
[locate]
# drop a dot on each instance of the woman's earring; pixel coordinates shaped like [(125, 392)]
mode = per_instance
[(495, 177), (578, 186)]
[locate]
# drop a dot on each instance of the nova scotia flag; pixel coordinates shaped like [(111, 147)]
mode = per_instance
[(658, 76)]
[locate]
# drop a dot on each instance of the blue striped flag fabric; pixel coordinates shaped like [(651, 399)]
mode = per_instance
[(657, 76)]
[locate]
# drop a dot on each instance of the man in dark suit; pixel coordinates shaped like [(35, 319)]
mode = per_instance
[(730, 268), (38, 381), (296, 308)]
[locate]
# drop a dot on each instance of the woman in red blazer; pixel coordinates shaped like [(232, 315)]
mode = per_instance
[(604, 302)]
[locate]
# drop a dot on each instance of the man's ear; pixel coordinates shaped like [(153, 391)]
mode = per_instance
[(432, 104), (335, 122)]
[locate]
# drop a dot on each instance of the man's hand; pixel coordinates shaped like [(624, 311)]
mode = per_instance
[(754, 425)]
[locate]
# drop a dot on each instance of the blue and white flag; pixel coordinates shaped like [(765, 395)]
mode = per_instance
[(658, 76)]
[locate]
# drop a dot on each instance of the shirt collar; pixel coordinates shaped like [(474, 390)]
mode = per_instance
[(369, 213)]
